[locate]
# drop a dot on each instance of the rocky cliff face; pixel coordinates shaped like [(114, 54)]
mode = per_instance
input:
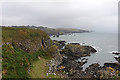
[(28, 40), (32, 45)]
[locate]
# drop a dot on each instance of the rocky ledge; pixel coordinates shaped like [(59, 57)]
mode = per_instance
[(75, 50), (67, 62), (70, 59)]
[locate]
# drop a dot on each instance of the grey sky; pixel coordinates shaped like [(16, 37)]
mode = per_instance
[(97, 15)]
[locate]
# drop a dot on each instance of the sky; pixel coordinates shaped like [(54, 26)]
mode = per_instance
[(95, 15)]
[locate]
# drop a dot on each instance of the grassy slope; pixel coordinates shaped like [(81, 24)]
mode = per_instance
[(16, 62), (40, 69), (11, 34)]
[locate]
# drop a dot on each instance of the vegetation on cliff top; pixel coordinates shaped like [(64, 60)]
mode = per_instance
[(54, 31), (10, 34)]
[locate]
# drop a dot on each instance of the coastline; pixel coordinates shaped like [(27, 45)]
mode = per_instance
[(31, 46), (69, 61)]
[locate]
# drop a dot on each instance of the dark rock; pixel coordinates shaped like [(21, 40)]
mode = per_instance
[(32, 45), (75, 51), (113, 65), (74, 43), (71, 64), (27, 45), (117, 58), (57, 35), (90, 48), (72, 67), (53, 35), (116, 53), (84, 60), (93, 70), (60, 44), (83, 43)]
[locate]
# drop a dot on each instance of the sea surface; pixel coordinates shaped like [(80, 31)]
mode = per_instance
[(105, 43)]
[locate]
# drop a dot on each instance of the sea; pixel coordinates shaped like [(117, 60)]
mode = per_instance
[(104, 43)]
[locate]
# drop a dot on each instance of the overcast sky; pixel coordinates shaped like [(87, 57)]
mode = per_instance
[(97, 15)]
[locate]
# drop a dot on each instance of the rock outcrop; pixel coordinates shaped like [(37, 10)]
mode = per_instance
[(75, 51), (32, 45), (71, 62)]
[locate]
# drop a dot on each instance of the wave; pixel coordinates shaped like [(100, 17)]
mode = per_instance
[(113, 52)]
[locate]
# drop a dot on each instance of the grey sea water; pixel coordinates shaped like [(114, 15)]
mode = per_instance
[(105, 43)]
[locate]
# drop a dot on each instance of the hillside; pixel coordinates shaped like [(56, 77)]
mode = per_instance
[(72, 30), (21, 47), (54, 31), (61, 31)]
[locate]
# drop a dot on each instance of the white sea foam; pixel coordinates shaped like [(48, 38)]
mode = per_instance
[(113, 52), (83, 43), (97, 48)]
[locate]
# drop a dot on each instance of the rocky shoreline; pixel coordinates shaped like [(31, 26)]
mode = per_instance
[(66, 62), (20, 51)]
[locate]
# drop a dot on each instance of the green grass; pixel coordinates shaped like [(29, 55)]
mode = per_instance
[(10, 34), (17, 62), (39, 69)]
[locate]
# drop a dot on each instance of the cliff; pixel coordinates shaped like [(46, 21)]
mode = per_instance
[(20, 47)]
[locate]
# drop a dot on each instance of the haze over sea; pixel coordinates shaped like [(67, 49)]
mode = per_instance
[(105, 43)]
